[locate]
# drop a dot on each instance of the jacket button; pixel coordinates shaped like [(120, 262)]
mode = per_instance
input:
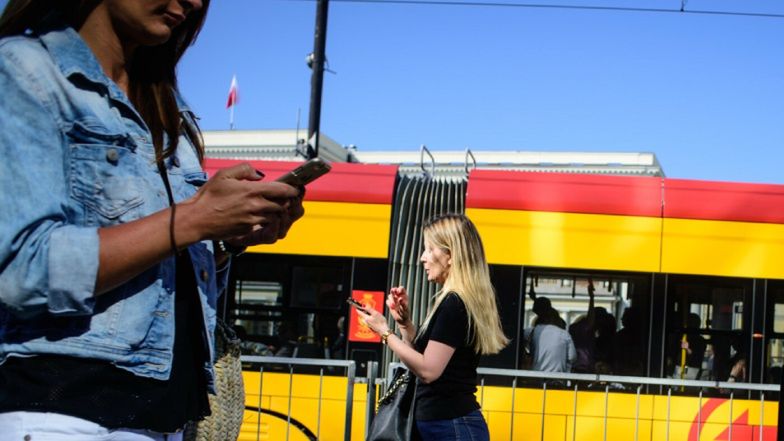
[(205, 276), (112, 155)]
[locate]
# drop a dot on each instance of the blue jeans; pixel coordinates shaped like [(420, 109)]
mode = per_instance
[(471, 427)]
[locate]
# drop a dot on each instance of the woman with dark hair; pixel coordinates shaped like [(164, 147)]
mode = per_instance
[(113, 244)]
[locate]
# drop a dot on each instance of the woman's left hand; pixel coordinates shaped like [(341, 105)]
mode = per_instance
[(276, 227), (374, 320)]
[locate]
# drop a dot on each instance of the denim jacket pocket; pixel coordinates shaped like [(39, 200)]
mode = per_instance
[(196, 178), (103, 173)]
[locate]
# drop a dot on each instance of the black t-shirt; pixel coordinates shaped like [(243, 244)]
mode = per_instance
[(97, 391), (452, 394)]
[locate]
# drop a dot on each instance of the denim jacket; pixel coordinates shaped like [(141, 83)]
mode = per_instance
[(75, 156)]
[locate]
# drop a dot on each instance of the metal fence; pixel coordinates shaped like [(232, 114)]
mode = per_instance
[(289, 364), (635, 384), (534, 380)]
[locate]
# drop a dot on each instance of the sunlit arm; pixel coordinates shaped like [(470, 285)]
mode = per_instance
[(428, 366), (407, 333), (128, 249)]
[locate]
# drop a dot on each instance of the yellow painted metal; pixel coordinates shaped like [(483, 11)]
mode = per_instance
[(337, 229), (559, 418), (569, 240), (304, 406), (731, 249)]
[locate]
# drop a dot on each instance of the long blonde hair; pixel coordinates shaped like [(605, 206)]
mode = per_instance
[(469, 278)]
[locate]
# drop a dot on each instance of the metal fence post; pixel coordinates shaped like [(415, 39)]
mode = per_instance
[(370, 407), (574, 414), (669, 397), (606, 409), (512, 413), (732, 396), (544, 401), (637, 416), (349, 400)]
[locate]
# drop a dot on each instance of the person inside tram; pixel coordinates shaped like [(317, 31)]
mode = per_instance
[(462, 325), (114, 244), (606, 326), (583, 333), (287, 339), (551, 346), (738, 362), (688, 352), (338, 347), (774, 375), (628, 348)]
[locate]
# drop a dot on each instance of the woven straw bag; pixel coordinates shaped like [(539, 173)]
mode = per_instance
[(228, 404)]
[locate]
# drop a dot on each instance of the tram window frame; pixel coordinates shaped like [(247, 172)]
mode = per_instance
[(634, 290), (773, 334), (697, 294), (298, 320)]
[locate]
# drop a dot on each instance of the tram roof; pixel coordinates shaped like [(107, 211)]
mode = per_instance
[(288, 144)]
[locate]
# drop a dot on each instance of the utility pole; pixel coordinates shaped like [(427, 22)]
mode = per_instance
[(316, 62)]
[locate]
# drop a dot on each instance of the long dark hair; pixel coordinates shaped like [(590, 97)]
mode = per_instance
[(152, 75)]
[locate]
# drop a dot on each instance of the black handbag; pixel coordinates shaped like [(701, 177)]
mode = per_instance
[(394, 420)]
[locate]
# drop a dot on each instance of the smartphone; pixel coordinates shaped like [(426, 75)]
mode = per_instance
[(355, 304), (306, 173)]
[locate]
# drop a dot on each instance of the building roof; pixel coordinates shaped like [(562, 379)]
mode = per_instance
[(290, 145)]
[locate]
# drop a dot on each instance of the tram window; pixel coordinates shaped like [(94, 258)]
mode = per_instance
[(705, 326), (614, 339), (775, 361), (778, 317), (320, 287)]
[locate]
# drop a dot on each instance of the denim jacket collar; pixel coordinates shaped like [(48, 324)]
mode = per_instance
[(73, 57)]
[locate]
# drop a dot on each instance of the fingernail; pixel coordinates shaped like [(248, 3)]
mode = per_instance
[(260, 173)]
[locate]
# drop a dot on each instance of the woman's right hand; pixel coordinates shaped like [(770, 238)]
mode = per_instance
[(233, 204), (397, 302)]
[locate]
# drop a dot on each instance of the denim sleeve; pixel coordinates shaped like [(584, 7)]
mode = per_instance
[(46, 265)]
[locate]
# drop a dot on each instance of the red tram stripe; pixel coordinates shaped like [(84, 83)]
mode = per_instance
[(358, 183), (727, 201), (564, 192)]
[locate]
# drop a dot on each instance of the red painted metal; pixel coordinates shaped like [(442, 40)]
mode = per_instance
[(724, 201), (564, 192), (359, 183)]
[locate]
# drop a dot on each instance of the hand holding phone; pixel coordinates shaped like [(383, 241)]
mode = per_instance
[(306, 173), (351, 301)]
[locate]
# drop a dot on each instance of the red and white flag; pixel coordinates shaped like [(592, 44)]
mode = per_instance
[(233, 93)]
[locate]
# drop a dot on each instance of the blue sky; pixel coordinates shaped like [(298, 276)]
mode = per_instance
[(705, 93)]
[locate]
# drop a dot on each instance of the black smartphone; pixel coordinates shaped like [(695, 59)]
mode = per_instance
[(355, 304), (306, 173)]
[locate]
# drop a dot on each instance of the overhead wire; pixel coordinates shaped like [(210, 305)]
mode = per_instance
[(681, 10)]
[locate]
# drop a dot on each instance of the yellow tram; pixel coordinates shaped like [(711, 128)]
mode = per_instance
[(665, 249)]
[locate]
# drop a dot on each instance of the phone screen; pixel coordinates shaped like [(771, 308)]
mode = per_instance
[(307, 172), (355, 303)]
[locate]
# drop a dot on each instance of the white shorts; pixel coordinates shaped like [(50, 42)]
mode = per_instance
[(45, 426)]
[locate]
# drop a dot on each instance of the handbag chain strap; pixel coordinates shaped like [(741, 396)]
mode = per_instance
[(399, 381)]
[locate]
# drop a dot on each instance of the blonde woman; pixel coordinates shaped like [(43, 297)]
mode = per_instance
[(462, 325)]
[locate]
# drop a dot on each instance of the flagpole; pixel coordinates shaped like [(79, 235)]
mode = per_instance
[(231, 118)]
